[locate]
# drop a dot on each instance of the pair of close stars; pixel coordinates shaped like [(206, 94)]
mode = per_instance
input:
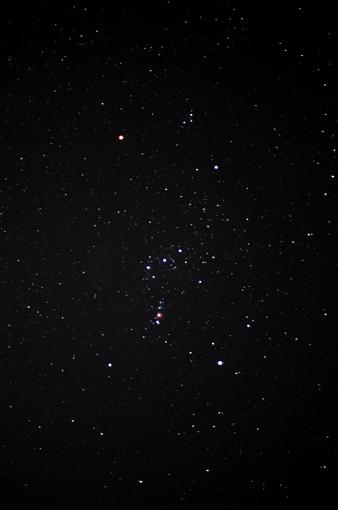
[(158, 317)]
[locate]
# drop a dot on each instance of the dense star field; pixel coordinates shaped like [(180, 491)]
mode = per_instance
[(168, 269)]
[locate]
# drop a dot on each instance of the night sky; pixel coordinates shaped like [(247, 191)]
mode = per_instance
[(168, 270)]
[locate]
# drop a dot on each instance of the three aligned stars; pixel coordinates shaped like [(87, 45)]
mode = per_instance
[(159, 316)]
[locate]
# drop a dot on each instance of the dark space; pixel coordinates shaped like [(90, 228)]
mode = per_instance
[(168, 260)]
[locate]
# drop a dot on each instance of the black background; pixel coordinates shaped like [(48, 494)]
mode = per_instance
[(224, 185)]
